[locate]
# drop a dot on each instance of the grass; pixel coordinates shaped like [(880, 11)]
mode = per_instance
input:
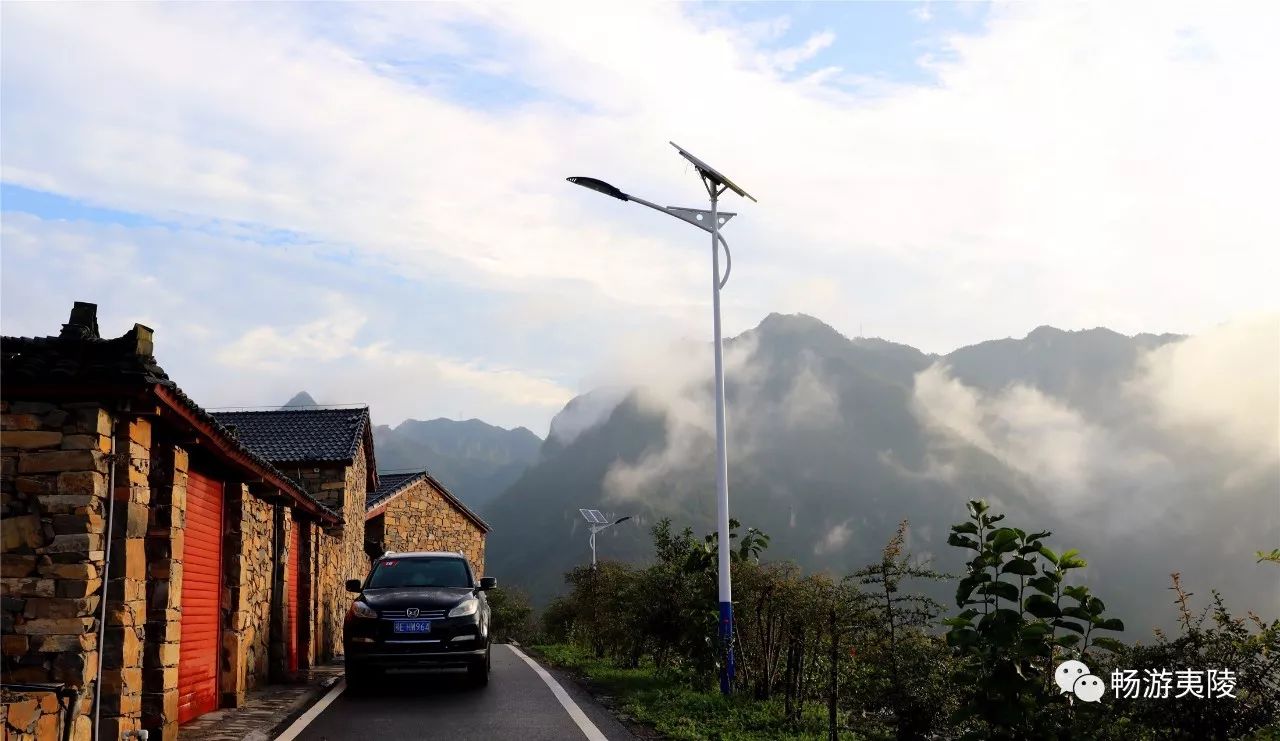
[(678, 711)]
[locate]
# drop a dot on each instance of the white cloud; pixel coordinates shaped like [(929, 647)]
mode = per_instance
[(1076, 164), (1221, 389), (267, 348), (834, 539), (1032, 433), (679, 396), (1203, 411), (786, 60), (810, 402), (293, 323)]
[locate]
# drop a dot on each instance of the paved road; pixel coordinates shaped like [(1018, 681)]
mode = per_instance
[(517, 704)]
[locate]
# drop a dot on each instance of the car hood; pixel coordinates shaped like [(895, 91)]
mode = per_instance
[(431, 598)]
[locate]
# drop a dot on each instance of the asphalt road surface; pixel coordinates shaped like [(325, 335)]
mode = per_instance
[(517, 704)]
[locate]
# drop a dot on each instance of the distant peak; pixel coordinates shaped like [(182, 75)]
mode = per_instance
[(776, 322), (1047, 332), (300, 399)]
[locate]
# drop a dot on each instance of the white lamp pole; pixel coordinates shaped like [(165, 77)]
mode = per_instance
[(710, 221), (597, 528)]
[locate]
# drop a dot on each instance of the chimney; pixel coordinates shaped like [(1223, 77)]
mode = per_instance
[(143, 340), (83, 324)]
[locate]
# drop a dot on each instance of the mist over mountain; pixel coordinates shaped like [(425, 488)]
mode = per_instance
[(475, 460), (1150, 454)]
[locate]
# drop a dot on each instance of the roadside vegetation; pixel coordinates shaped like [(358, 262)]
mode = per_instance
[(866, 656)]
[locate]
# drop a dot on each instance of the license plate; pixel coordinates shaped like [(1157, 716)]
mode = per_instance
[(412, 626)]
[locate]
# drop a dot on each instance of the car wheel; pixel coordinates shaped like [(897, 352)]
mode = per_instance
[(479, 671), (359, 680)]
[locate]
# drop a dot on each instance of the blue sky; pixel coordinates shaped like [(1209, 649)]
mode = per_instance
[(367, 200), (883, 41)]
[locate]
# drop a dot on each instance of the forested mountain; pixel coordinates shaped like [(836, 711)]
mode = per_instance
[(476, 460), (1097, 436)]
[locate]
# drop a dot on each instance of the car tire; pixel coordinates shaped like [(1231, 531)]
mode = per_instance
[(360, 680), (479, 671)]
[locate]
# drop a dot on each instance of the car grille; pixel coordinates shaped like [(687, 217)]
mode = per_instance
[(422, 615)]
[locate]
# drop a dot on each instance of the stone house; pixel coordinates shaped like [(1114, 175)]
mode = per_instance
[(414, 512), (212, 571), (330, 451)]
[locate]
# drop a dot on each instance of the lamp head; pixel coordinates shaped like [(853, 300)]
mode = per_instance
[(599, 186)]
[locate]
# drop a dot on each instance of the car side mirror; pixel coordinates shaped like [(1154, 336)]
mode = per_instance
[(487, 583), (353, 585)]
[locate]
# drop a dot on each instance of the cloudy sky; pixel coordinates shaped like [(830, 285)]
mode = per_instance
[(368, 201)]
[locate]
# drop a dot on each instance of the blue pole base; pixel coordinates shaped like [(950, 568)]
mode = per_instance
[(727, 668)]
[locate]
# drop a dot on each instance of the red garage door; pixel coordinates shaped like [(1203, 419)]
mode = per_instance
[(295, 558), (201, 588)]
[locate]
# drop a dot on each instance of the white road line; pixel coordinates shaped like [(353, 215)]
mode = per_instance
[(584, 723), (302, 722)]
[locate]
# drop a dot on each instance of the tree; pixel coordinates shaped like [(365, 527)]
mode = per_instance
[(1008, 654), (909, 677), (511, 615)]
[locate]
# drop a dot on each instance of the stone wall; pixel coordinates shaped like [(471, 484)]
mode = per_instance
[(37, 716), (332, 598), (340, 553), (54, 474), (52, 524), (421, 519), (165, 546), (122, 643), (250, 549)]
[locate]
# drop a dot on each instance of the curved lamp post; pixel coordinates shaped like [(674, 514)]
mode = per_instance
[(600, 528), (711, 221)]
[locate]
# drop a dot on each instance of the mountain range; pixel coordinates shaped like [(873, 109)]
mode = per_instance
[(475, 460), (1125, 447)]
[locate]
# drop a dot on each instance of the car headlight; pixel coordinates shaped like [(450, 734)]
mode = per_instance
[(361, 610), (468, 607)]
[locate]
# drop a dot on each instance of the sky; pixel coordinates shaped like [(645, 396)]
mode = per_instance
[(367, 201)]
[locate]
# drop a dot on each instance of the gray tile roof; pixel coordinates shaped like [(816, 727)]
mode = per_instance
[(390, 484), (300, 434)]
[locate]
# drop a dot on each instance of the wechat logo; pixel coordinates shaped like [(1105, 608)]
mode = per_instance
[(1074, 677)]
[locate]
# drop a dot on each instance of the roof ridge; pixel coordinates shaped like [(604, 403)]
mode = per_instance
[(286, 410)]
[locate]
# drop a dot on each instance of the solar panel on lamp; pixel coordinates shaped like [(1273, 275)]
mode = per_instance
[(712, 173)]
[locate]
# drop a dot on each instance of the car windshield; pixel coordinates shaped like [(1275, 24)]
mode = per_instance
[(419, 572)]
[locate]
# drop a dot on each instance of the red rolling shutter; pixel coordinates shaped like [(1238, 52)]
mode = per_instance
[(295, 559), (201, 590)]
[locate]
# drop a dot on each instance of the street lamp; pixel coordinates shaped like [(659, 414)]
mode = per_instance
[(711, 221), (598, 522)]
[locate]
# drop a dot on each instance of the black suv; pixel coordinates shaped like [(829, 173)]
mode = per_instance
[(423, 609)]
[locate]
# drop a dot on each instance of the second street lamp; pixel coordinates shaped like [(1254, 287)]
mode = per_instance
[(711, 221)]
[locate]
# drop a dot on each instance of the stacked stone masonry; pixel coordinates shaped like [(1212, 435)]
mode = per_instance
[(248, 561), (70, 471), (53, 495), (165, 546), (340, 555), (420, 518), (54, 508)]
